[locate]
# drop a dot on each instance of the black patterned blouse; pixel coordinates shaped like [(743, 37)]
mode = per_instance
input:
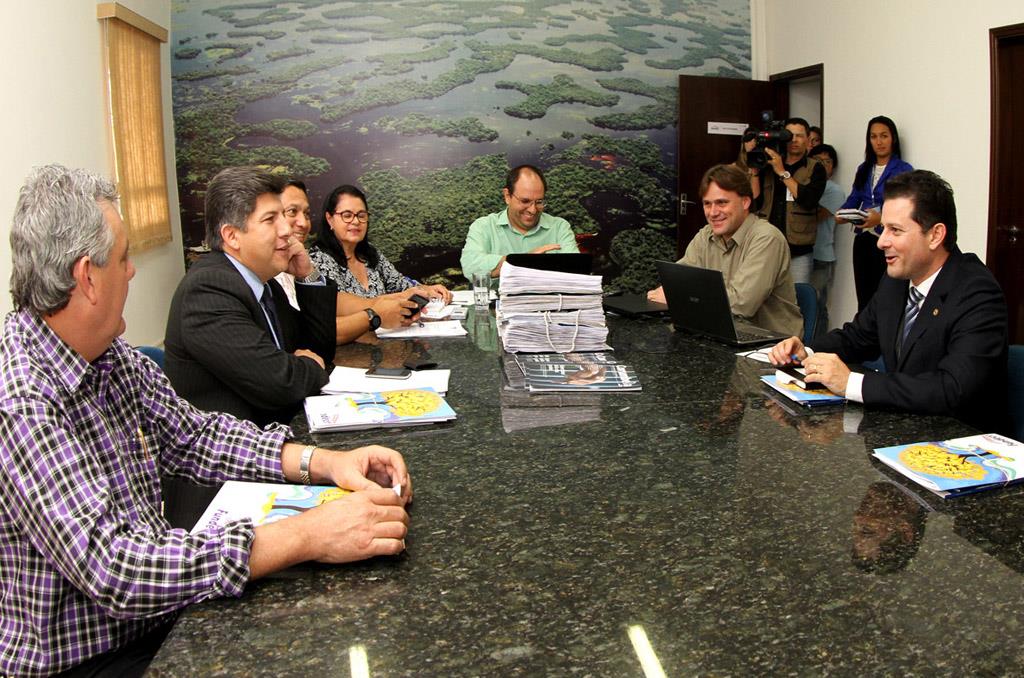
[(383, 278)]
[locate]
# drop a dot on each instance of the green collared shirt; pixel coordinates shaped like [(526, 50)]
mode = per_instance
[(755, 265), (492, 237)]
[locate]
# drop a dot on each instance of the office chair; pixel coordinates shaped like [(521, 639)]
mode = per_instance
[(154, 353), (1015, 391), (807, 300)]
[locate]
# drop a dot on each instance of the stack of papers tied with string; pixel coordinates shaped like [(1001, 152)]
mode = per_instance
[(550, 311)]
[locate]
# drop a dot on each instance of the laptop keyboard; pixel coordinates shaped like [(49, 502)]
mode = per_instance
[(743, 335)]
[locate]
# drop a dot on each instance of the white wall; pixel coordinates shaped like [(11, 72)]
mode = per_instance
[(55, 112), (924, 63)]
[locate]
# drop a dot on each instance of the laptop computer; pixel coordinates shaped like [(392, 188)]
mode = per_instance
[(698, 303), (570, 262), (633, 305)]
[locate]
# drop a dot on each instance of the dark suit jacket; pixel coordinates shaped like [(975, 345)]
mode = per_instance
[(220, 354), (954, 359)]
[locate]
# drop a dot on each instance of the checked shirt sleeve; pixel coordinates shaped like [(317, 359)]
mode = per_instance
[(86, 529)]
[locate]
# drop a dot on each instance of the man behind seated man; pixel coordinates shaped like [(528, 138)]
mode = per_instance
[(233, 342), (938, 319), (93, 574), (751, 253), (521, 228), (356, 316)]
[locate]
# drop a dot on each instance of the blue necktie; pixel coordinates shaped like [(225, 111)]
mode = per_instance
[(910, 314), (267, 301)]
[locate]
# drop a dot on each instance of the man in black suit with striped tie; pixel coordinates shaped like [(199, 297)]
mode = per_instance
[(938, 319), (234, 344)]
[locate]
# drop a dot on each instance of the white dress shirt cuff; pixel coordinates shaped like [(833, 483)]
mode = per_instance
[(854, 387)]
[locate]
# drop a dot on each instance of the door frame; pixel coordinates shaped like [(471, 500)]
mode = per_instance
[(804, 73), (996, 149)]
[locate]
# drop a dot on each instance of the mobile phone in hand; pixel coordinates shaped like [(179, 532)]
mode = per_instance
[(420, 302), (388, 372)]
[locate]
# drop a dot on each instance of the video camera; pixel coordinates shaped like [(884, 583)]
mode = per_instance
[(774, 136)]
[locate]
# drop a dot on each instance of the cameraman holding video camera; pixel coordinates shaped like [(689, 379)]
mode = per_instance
[(787, 191)]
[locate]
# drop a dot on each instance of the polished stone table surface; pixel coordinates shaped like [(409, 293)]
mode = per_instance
[(728, 530)]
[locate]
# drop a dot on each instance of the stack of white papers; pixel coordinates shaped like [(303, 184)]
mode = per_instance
[(520, 280), (549, 302), (547, 331), (354, 379), (550, 311), (439, 328)]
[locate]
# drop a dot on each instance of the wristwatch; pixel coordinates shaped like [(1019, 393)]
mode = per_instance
[(311, 278), (307, 455), (785, 175), (374, 318)]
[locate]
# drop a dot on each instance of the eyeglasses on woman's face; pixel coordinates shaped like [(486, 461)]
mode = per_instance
[(348, 216)]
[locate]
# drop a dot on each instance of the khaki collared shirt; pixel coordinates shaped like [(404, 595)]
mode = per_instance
[(755, 265)]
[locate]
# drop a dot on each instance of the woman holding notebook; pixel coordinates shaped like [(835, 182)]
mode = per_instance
[(881, 161)]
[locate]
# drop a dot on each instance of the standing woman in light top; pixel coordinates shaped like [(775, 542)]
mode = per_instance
[(881, 162), (343, 252)]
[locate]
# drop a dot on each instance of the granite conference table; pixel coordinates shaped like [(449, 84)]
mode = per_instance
[(697, 511)]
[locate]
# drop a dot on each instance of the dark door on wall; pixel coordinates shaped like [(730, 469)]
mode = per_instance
[(704, 100), (1006, 173)]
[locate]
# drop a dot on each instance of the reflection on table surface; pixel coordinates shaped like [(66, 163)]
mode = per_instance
[(738, 538)]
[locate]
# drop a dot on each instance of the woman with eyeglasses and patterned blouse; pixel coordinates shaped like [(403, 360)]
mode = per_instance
[(343, 253)]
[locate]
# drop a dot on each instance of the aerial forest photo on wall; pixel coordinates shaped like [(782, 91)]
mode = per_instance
[(426, 104)]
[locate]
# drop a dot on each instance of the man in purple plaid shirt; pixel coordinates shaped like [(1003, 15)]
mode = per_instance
[(91, 574)]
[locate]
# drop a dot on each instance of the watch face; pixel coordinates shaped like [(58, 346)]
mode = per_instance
[(374, 319)]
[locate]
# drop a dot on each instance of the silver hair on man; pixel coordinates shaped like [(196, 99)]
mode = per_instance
[(57, 221)]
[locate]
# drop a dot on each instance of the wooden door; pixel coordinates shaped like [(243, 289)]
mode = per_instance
[(1006, 173), (703, 100)]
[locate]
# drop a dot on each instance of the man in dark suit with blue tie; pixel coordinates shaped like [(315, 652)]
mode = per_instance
[(234, 344), (938, 319)]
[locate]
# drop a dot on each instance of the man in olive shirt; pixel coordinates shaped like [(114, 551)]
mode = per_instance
[(751, 254), (521, 228)]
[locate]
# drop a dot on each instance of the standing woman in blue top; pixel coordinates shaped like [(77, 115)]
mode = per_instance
[(881, 162), (343, 252)]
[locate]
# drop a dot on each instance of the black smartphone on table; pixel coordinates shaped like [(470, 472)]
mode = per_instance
[(389, 372)]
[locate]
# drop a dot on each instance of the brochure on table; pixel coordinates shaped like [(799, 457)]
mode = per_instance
[(950, 468), (559, 372), (386, 409), (263, 502), (807, 397)]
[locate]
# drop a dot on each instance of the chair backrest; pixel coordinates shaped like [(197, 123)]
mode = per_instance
[(155, 353), (807, 300), (1015, 391)]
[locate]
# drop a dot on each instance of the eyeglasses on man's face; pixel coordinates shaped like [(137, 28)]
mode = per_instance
[(348, 216), (524, 204)]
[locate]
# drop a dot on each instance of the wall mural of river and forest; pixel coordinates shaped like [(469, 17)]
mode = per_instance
[(425, 105)]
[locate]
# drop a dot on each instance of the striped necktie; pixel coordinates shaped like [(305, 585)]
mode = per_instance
[(914, 299)]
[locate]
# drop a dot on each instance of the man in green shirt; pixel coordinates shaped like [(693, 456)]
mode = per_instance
[(752, 255), (520, 228)]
